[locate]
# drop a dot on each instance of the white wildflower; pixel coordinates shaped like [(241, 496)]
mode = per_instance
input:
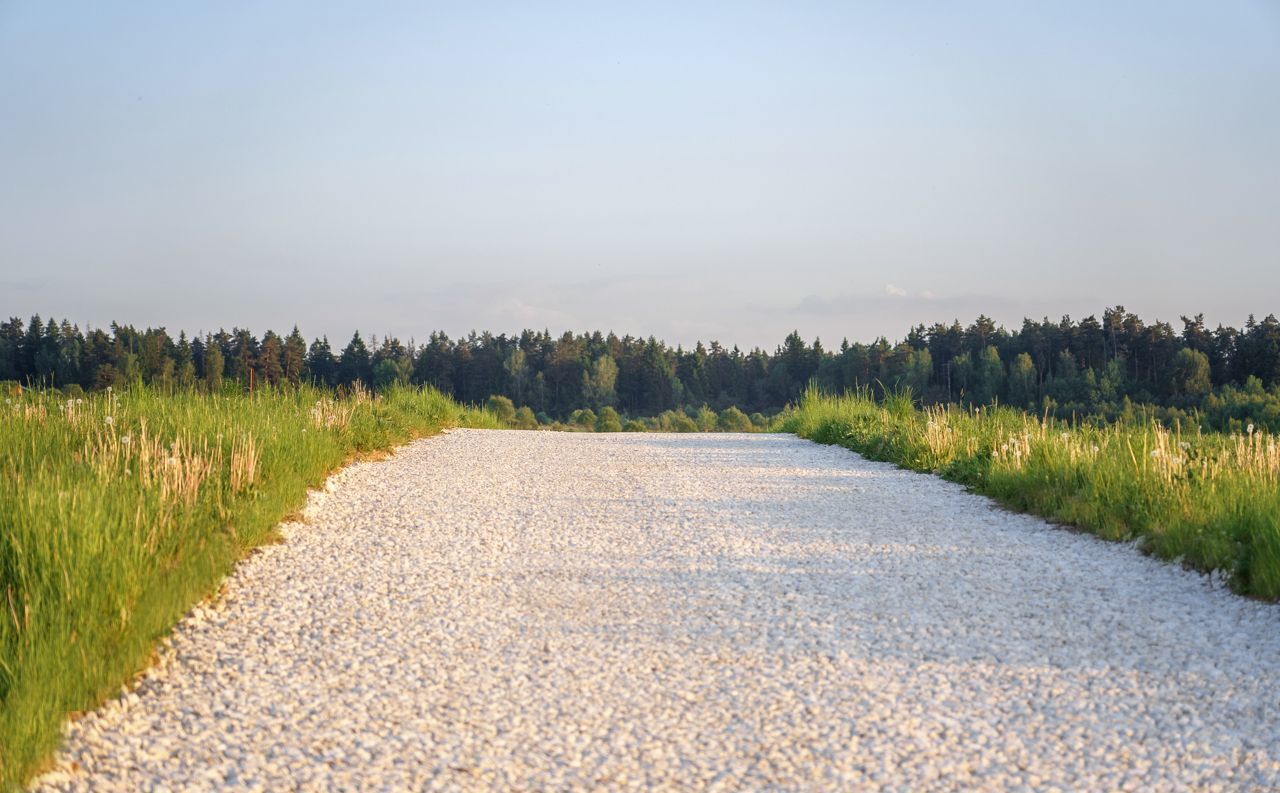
[(125, 439), (109, 421), (1249, 429), (1155, 453)]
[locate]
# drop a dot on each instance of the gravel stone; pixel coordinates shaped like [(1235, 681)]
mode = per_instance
[(535, 610)]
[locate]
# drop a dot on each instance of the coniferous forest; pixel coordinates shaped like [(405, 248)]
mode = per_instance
[(1112, 368)]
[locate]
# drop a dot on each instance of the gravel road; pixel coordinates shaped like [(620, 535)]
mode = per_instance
[(535, 610)]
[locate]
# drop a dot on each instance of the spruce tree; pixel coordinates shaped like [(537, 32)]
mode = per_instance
[(28, 347), (355, 364), (295, 357), (70, 349), (10, 343), (244, 357), (185, 363), (321, 365)]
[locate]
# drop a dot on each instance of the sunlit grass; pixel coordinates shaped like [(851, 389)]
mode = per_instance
[(118, 511), (1210, 500)]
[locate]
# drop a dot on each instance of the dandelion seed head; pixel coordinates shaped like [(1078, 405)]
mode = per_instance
[(109, 421), (125, 439), (1249, 429), (1155, 453)]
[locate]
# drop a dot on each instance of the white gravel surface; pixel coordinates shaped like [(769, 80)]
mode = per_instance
[(532, 610)]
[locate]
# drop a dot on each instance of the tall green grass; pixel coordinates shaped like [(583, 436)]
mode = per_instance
[(118, 511), (1210, 500)]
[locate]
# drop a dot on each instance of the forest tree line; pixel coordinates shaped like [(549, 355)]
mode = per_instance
[(1086, 367)]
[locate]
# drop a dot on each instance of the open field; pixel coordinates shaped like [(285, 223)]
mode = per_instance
[(1211, 500), (119, 510), (531, 610)]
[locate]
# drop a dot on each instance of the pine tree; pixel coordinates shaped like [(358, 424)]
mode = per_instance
[(270, 352)]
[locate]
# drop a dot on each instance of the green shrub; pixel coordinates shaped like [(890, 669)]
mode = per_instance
[(501, 407), (525, 420), (733, 420), (584, 420), (608, 421), (677, 421)]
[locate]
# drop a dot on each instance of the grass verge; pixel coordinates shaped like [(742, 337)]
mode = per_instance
[(118, 511), (1209, 500)]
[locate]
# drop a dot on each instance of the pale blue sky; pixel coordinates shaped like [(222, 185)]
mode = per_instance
[(689, 170)]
